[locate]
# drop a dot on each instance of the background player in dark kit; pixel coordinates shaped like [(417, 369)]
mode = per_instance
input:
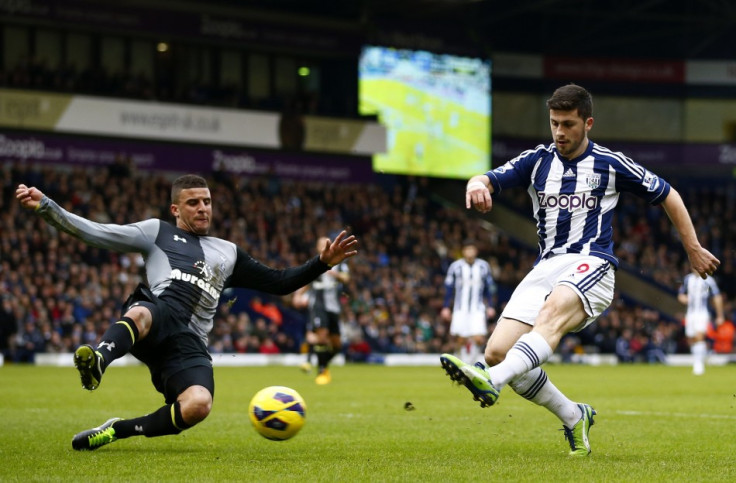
[(322, 298)]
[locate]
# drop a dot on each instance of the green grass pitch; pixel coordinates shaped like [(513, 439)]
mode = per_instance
[(654, 423)]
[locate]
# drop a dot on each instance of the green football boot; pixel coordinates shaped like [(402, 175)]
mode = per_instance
[(475, 378), (577, 436), (89, 364), (96, 437)]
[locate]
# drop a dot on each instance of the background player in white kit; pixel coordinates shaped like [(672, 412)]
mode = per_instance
[(470, 288), (574, 185), (696, 293)]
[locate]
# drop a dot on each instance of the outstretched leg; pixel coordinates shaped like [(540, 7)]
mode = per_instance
[(536, 387), (576, 418), (190, 407), (561, 313)]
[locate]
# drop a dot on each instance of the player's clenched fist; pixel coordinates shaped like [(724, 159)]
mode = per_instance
[(28, 197), (478, 195)]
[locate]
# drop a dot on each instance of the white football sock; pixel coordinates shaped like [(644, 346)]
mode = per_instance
[(530, 351), (465, 351), (474, 353), (699, 351), (537, 388)]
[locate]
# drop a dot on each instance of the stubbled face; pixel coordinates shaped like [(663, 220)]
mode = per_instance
[(569, 132), (193, 211)]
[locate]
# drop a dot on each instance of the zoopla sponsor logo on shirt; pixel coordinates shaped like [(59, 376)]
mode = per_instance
[(177, 274), (568, 201)]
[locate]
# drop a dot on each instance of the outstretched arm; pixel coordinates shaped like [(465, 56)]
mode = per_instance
[(702, 261), (250, 273), (135, 237)]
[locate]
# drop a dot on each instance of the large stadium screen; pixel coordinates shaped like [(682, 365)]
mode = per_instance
[(436, 109)]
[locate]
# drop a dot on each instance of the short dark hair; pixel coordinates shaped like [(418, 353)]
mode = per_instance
[(571, 97), (185, 182)]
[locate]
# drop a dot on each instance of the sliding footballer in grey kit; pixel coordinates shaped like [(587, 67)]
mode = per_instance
[(165, 322)]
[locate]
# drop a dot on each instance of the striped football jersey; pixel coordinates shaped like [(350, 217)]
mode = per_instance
[(574, 200), (471, 285), (698, 291)]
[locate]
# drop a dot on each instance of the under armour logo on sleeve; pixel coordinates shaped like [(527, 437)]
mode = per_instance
[(178, 238)]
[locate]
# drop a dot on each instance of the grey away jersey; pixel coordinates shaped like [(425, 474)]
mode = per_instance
[(186, 271), (324, 293)]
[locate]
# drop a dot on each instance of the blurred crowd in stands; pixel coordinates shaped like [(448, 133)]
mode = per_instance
[(37, 74), (58, 292)]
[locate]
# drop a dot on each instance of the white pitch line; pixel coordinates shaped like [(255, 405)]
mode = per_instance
[(676, 415)]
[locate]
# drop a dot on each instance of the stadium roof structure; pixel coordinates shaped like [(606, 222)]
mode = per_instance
[(672, 29)]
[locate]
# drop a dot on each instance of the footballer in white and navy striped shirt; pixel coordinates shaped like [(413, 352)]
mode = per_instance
[(574, 185), (696, 293), (468, 305)]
